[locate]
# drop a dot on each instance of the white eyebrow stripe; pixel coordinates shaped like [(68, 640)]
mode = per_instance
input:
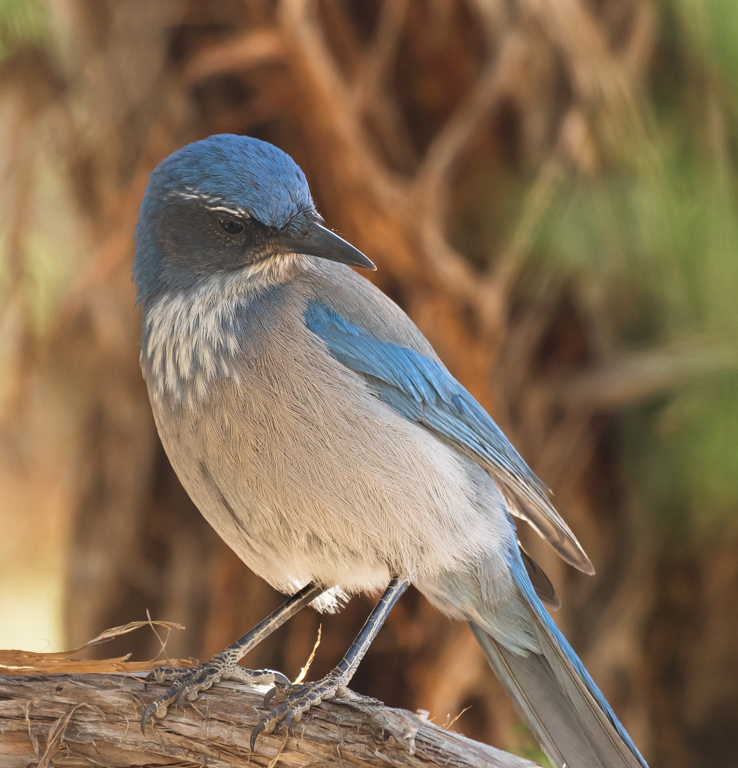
[(232, 211), (211, 202)]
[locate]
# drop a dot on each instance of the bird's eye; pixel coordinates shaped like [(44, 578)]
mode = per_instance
[(230, 226)]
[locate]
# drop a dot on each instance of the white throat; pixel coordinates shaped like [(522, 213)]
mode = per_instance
[(190, 337)]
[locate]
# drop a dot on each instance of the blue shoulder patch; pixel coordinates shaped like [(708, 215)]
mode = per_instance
[(421, 390)]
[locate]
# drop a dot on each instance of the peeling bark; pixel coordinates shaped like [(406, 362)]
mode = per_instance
[(70, 720)]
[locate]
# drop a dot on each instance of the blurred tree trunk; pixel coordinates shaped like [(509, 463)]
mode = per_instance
[(399, 113)]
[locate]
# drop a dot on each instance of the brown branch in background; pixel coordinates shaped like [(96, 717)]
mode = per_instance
[(603, 86), (236, 54), (638, 51), (460, 129), (370, 89), (117, 243), (376, 63), (371, 200), (629, 379), (498, 281), (298, 19), (574, 147), (431, 183), (340, 111)]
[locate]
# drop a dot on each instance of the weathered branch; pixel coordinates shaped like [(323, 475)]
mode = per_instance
[(94, 720), (241, 52), (632, 378)]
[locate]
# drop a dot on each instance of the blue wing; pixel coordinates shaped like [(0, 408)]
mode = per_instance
[(423, 391)]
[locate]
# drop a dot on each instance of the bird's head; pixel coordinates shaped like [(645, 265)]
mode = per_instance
[(222, 205)]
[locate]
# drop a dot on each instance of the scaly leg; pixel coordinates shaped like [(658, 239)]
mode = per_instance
[(224, 665), (297, 699)]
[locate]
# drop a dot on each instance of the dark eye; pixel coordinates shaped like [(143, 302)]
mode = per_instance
[(230, 226)]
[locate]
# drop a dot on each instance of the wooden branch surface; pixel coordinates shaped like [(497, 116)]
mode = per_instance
[(93, 720)]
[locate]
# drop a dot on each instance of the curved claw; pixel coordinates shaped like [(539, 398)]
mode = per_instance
[(268, 696), (145, 717), (288, 722), (151, 711), (280, 678), (258, 728)]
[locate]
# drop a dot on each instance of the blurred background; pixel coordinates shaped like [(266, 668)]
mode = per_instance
[(548, 189)]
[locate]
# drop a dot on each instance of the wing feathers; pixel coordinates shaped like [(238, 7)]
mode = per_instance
[(541, 583), (422, 390)]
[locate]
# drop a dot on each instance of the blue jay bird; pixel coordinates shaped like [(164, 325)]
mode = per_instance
[(324, 440)]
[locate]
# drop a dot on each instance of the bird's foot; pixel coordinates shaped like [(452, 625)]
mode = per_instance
[(189, 683), (295, 700)]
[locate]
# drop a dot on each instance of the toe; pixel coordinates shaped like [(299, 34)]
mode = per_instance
[(258, 728), (288, 721), (164, 675), (145, 717), (157, 709)]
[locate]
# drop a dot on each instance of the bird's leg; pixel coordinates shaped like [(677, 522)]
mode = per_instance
[(294, 700), (224, 665)]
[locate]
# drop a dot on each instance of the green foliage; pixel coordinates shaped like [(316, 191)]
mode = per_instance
[(683, 452), (657, 233), (524, 745), (21, 21)]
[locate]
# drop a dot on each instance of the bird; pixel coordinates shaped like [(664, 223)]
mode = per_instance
[(325, 441)]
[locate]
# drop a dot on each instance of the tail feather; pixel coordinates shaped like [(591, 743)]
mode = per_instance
[(570, 736), (554, 694)]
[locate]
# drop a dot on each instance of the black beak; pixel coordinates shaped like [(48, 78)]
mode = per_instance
[(321, 242)]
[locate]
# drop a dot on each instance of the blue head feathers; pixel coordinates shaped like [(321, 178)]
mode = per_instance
[(238, 172), (223, 204)]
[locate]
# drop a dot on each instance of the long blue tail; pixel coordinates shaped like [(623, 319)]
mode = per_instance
[(554, 694)]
